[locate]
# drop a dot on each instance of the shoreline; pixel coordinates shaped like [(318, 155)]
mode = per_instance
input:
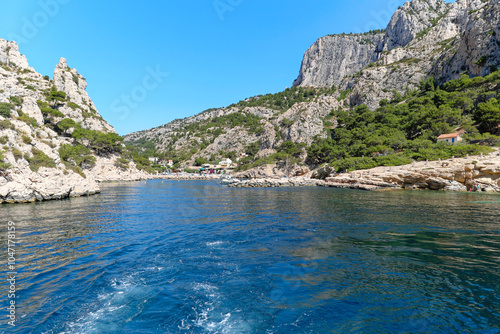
[(474, 173)]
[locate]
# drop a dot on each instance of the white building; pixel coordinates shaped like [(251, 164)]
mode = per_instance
[(451, 138), (225, 163)]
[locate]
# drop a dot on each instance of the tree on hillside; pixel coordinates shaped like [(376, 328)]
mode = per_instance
[(488, 113)]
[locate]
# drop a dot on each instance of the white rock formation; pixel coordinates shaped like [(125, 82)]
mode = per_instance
[(28, 130)]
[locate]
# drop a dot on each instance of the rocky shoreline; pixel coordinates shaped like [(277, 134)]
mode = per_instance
[(271, 183), (475, 173), (188, 177)]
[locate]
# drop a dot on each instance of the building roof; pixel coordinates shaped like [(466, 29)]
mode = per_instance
[(449, 135)]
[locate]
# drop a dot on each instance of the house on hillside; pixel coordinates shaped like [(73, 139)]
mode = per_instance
[(225, 163), (450, 138)]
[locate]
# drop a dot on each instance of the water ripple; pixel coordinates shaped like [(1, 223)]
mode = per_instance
[(194, 257)]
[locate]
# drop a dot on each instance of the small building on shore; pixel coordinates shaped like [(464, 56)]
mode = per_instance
[(225, 163), (450, 138)]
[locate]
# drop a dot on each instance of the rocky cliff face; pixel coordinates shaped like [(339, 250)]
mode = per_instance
[(332, 58), (424, 38), (31, 105), (411, 19)]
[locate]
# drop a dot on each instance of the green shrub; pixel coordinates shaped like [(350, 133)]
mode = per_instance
[(74, 106), (40, 159), (344, 94), (291, 148), (26, 139), (49, 112), (393, 160), (141, 162), (102, 143), (77, 156), (4, 140), (122, 163), (252, 148), (200, 161), (3, 165), (6, 124), (16, 100), (57, 95), (17, 154), (5, 109), (191, 171), (66, 124), (28, 120), (481, 61), (41, 104), (286, 122), (284, 100), (350, 164)]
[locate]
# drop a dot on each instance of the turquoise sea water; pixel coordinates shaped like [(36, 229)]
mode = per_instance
[(196, 257)]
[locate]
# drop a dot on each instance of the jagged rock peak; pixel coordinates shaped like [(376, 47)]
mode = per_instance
[(411, 19), (10, 55), (68, 79), (63, 64)]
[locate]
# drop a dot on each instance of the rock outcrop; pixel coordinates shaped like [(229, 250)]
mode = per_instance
[(31, 168), (272, 183), (475, 173)]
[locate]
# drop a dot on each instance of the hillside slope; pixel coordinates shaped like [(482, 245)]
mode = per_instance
[(53, 142)]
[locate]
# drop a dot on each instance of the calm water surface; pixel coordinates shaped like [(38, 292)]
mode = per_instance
[(195, 257)]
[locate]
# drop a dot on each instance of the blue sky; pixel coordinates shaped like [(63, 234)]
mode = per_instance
[(215, 52)]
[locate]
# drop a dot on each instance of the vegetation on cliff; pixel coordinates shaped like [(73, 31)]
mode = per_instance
[(286, 99), (401, 131)]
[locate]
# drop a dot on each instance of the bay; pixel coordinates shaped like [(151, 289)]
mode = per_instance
[(196, 257)]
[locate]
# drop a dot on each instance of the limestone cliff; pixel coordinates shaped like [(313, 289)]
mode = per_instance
[(332, 58), (31, 107), (424, 38)]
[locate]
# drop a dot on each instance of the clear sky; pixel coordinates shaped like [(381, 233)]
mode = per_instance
[(150, 62)]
